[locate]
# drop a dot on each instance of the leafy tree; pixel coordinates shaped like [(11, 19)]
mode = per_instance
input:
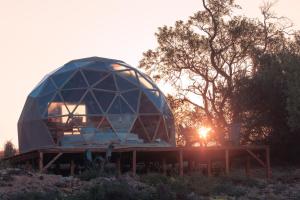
[(206, 54), (9, 149)]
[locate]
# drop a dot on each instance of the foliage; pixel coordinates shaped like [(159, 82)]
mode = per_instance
[(9, 149), (34, 195), (204, 56), (95, 172), (271, 115)]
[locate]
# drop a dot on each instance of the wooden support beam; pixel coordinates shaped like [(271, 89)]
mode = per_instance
[(268, 163), (180, 163), (41, 162), (51, 162), (72, 168), (256, 158), (133, 163), (227, 162), (248, 166)]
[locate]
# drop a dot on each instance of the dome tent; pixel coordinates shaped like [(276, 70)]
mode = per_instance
[(94, 101)]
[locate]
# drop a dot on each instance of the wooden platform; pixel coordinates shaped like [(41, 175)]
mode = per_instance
[(183, 159)]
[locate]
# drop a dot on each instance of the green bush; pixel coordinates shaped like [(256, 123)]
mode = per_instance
[(154, 179)]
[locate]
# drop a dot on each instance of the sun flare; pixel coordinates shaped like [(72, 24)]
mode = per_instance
[(203, 132)]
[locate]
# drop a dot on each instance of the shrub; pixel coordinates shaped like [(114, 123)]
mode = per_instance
[(53, 195), (154, 179), (9, 149)]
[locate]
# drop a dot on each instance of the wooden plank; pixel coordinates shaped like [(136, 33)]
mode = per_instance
[(51, 162), (268, 163), (133, 163), (256, 158), (227, 162), (118, 163), (180, 163)]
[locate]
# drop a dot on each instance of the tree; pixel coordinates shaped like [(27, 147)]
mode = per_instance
[(268, 104), (9, 149), (205, 55)]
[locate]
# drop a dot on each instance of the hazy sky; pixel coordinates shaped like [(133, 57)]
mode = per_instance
[(37, 36)]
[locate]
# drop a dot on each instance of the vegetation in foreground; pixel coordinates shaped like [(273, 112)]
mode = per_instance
[(284, 185)]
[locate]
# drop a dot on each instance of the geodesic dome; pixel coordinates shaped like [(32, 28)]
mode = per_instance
[(95, 101)]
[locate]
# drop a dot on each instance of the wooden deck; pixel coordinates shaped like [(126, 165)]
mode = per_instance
[(182, 158)]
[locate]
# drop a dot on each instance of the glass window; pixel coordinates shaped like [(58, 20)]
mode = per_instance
[(104, 98), (119, 106), (60, 78), (77, 81), (145, 83), (105, 126), (124, 84), (116, 66), (91, 105), (121, 123), (146, 106), (107, 84), (94, 121), (150, 123), (129, 75), (48, 88), (140, 131), (154, 96), (72, 95), (44, 101), (132, 98), (93, 76), (162, 132)]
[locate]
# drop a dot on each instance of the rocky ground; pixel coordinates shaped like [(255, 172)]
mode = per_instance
[(19, 184)]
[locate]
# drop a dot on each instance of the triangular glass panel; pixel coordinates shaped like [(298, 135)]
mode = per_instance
[(77, 81), (56, 107), (145, 83), (150, 123), (43, 102), (121, 123), (140, 131), (124, 84), (48, 88), (72, 96), (98, 65), (93, 76), (104, 98), (132, 98), (119, 107), (146, 106), (105, 127), (107, 84), (94, 121), (116, 66), (162, 132), (91, 104), (154, 96), (129, 75), (60, 78)]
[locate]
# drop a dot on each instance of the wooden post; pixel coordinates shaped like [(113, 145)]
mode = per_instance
[(209, 164), (164, 166), (134, 163), (119, 166), (268, 163), (227, 161), (72, 168), (247, 166), (41, 162), (180, 163)]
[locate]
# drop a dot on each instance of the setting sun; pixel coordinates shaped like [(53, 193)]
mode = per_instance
[(203, 132)]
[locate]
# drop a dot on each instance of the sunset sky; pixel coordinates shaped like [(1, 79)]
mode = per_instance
[(37, 36)]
